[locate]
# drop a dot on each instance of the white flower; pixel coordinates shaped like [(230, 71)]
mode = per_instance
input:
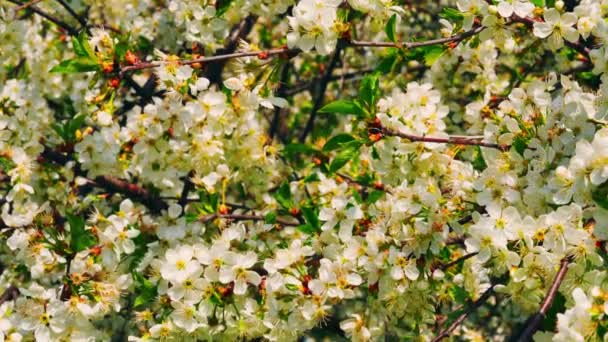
[(521, 8), (237, 270), (557, 27)]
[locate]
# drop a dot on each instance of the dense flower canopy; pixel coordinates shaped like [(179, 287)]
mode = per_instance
[(269, 170)]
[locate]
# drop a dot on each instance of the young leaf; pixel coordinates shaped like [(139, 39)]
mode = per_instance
[(432, 54), (145, 289), (75, 65), (80, 238), (222, 6), (283, 196), (343, 107), (312, 218), (337, 141), (349, 152), (391, 28), (369, 91)]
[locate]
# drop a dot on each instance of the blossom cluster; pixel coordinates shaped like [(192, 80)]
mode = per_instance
[(254, 169)]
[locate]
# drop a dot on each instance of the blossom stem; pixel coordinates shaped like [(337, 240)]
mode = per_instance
[(285, 50), (411, 45), (456, 140), (447, 331), (534, 322), (245, 217), (271, 52)]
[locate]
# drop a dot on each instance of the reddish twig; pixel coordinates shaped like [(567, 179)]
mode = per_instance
[(455, 140), (534, 322), (447, 331)]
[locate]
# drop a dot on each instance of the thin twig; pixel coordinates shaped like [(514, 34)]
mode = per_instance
[(455, 262), (412, 45), (72, 31), (534, 322), (456, 140), (320, 96), (73, 13), (26, 5), (446, 332), (245, 217), (260, 54), (9, 294)]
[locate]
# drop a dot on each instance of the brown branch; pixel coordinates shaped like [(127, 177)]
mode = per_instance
[(411, 45), (320, 96), (455, 262), (110, 183), (72, 31), (456, 140), (73, 13), (26, 5), (188, 186), (203, 60), (534, 322), (245, 217), (9, 294), (479, 302), (240, 31), (132, 191), (291, 52)]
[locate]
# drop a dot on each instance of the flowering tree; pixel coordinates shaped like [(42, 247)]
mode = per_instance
[(259, 169)]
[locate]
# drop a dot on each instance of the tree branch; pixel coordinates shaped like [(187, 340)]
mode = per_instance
[(412, 45), (479, 302), (321, 93), (456, 140), (72, 31), (73, 13), (244, 217), (534, 322)]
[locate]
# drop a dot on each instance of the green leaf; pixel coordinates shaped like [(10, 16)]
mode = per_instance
[(81, 46), (120, 50), (311, 216), (538, 3), (306, 229), (459, 294), (432, 53), (83, 38), (283, 196), (343, 107), (145, 289), (600, 195), (80, 238), (451, 14), (369, 91), (374, 196), (337, 141), (387, 64), (391, 28), (349, 152), (79, 50), (291, 150), (270, 218), (520, 143), (479, 163), (76, 65), (222, 6)]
